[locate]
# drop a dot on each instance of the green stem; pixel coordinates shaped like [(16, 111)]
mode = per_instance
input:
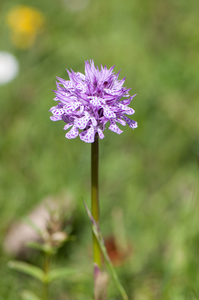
[(46, 271), (95, 197)]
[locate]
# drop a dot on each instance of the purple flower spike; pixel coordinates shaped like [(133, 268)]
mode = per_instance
[(87, 102)]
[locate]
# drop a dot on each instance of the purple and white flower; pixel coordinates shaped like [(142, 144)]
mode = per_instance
[(86, 103)]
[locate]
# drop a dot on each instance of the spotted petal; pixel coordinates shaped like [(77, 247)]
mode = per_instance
[(127, 101), (67, 126), (127, 110), (108, 113), (81, 76), (56, 118), (88, 135), (122, 122), (133, 124), (58, 111), (71, 106), (100, 132), (113, 127), (95, 102), (81, 123), (94, 122), (72, 134)]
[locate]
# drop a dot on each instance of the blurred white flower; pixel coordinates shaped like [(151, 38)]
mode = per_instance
[(9, 67), (76, 5)]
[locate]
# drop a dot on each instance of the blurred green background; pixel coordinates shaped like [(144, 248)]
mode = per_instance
[(151, 173)]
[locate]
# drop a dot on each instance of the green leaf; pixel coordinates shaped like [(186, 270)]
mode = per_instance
[(28, 269), (35, 246), (42, 247), (28, 295), (60, 273)]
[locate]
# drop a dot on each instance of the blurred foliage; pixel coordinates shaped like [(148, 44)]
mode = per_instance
[(150, 172)]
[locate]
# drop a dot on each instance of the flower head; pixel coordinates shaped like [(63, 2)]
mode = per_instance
[(88, 102)]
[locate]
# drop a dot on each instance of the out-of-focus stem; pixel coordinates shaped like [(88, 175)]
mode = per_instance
[(46, 270), (95, 197)]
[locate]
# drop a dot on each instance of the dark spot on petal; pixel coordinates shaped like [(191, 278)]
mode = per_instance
[(95, 82), (100, 112)]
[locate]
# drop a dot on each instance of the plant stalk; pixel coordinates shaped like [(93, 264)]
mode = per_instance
[(46, 267), (95, 196)]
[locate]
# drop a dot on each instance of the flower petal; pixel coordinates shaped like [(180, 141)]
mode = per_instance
[(79, 86), (88, 135), (56, 118), (81, 76), (122, 122), (68, 126), (108, 113), (72, 134), (71, 106), (95, 102), (127, 110), (127, 101), (81, 123), (133, 124), (100, 132), (113, 127), (93, 120), (58, 111)]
